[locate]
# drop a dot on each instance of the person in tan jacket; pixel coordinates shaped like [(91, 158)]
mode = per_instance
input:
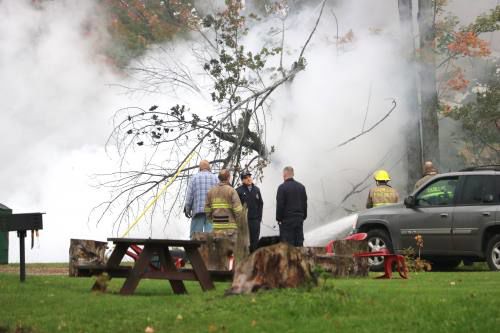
[(223, 206), (383, 193)]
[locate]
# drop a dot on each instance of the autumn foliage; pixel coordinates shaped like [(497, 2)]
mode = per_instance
[(468, 44), (458, 82), (136, 24), (453, 42)]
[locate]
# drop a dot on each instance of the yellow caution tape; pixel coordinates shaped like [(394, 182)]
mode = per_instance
[(159, 194)]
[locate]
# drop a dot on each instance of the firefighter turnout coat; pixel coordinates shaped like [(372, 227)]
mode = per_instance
[(223, 207), (382, 195)]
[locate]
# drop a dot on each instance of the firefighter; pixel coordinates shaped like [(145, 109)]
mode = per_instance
[(383, 193), (222, 205), (250, 195), (428, 172)]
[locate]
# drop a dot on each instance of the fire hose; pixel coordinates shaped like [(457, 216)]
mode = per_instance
[(149, 205)]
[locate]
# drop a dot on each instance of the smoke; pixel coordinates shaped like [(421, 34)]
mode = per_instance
[(346, 88), (57, 104), (55, 108), (58, 97)]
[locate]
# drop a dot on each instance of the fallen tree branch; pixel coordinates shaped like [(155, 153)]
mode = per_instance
[(135, 189)]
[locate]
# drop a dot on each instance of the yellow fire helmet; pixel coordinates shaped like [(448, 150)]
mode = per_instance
[(381, 176)]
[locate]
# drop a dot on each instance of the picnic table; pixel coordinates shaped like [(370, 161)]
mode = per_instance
[(168, 270)]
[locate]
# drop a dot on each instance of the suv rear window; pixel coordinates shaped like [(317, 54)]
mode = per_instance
[(479, 190), (438, 193)]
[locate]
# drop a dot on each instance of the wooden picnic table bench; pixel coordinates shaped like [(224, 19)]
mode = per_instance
[(168, 270)]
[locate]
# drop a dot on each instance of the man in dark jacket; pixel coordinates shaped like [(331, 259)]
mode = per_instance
[(291, 209), (250, 195)]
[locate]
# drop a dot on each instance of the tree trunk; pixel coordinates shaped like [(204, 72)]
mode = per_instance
[(413, 138), (342, 264), (86, 252), (276, 266), (243, 240), (284, 266), (428, 89), (217, 249), (221, 245)]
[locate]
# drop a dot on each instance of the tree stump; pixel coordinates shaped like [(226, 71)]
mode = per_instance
[(217, 248), (220, 245), (86, 252), (276, 266), (342, 263), (242, 250)]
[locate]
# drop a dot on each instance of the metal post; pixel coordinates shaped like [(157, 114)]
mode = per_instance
[(22, 262)]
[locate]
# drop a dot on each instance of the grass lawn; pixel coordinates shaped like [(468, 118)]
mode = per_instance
[(428, 302)]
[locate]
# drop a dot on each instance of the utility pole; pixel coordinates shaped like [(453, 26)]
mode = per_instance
[(428, 89), (413, 138)]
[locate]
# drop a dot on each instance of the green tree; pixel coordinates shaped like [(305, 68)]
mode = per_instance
[(479, 116), (232, 136)]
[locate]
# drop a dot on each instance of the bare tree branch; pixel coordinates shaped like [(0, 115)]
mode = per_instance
[(313, 30), (233, 136), (369, 129)]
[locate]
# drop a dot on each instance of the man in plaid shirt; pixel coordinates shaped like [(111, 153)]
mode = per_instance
[(197, 191)]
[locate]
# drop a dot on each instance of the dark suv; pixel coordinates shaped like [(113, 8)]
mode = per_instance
[(457, 214)]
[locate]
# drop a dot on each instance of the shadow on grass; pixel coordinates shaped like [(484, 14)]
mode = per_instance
[(17, 329)]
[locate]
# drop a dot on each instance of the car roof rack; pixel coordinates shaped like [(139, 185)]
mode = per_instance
[(492, 167)]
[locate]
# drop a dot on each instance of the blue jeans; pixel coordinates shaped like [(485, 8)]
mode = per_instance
[(199, 223)]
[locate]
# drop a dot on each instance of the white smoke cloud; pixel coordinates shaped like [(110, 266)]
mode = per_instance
[(60, 108), (56, 107), (327, 104), (58, 98)]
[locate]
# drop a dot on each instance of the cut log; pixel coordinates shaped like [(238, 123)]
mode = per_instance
[(217, 248), (342, 263), (349, 247), (220, 245), (276, 266), (242, 250), (86, 252)]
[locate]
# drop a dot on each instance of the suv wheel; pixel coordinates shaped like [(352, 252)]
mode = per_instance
[(493, 253), (378, 239)]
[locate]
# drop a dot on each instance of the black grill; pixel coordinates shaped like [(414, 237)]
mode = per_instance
[(20, 223)]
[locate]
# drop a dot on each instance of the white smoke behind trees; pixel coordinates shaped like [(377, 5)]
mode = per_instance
[(349, 85), (56, 104), (327, 104), (54, 110), (60, 104)]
